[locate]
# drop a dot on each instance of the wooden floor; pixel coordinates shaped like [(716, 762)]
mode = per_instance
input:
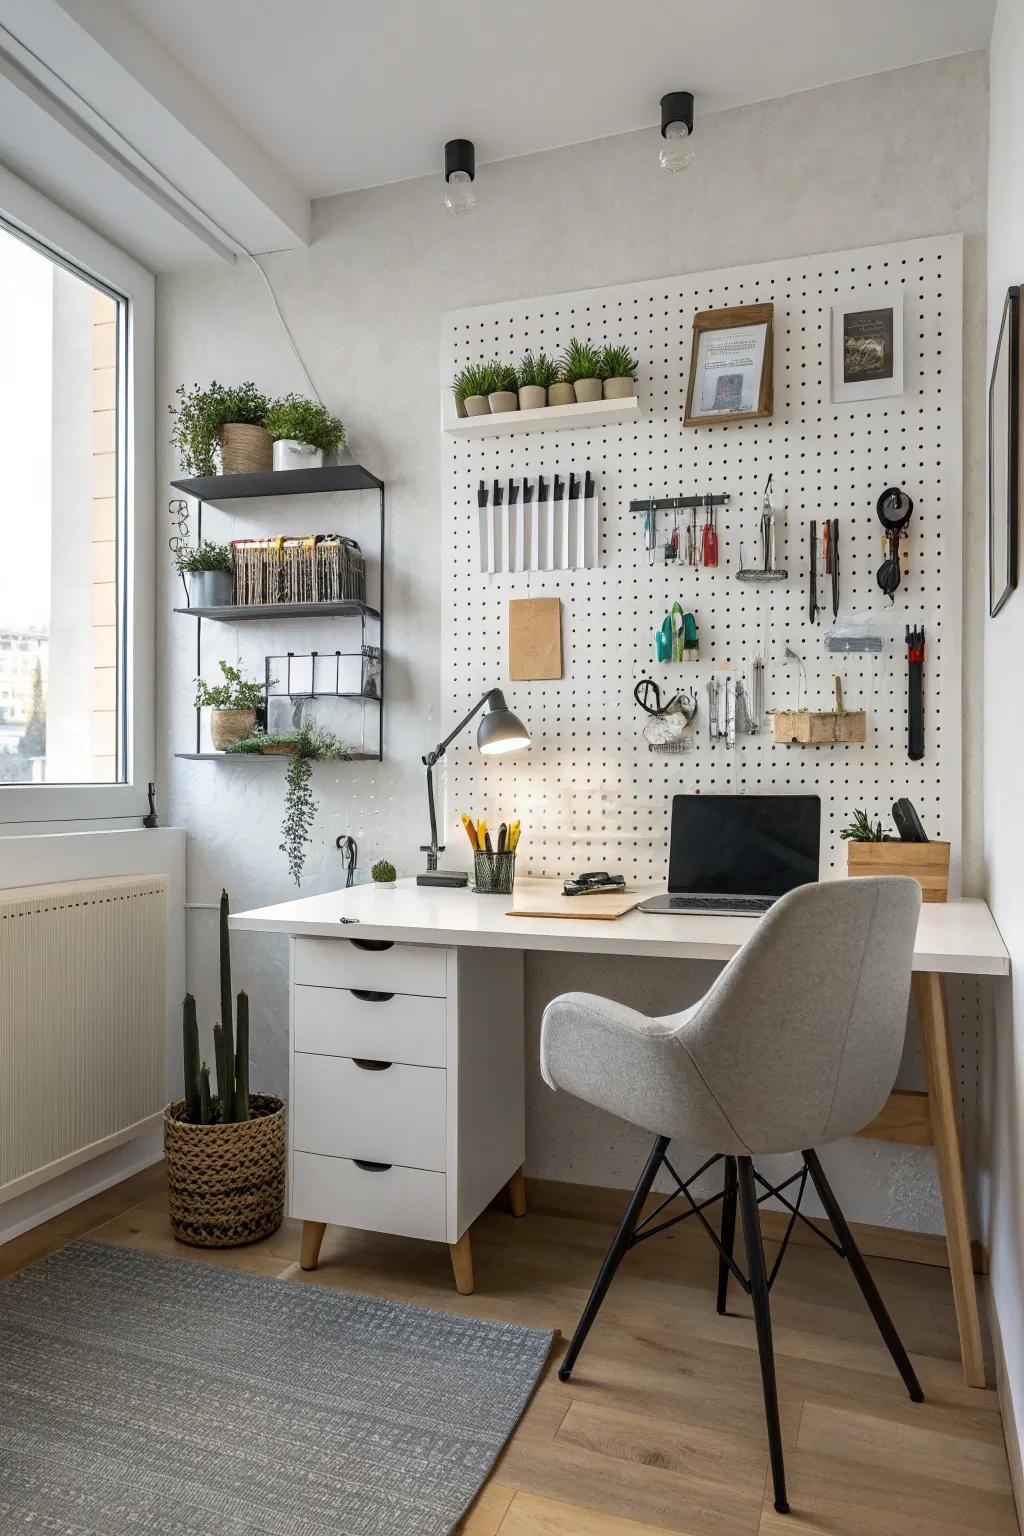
[(661, 1428)]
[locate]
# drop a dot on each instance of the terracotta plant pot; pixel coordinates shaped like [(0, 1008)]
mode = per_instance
[(245, 450), (503, 400), (561, 394), (619, 389), (225, 1183), (210, 589), (476, 405), (587, 389), (230, 725), (289, 453), (532, 397)]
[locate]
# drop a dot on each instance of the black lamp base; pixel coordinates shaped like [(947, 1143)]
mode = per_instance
[(448, 877)]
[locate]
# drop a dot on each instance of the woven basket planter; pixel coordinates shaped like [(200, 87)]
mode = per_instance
[(230, 725), (245, 450), (225, 1183)]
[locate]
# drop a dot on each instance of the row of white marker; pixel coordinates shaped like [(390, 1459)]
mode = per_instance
[(538, 524)]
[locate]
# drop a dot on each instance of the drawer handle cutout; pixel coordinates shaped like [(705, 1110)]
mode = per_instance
[(366, 996), (371, 1167), (365, 1065), (373, 944)]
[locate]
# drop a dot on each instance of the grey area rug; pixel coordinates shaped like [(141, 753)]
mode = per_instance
[(140, 1394)]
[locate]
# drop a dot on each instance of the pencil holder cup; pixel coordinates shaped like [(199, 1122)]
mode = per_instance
[(495, 873)]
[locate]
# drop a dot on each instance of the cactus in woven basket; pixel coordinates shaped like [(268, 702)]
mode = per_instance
[(230, 1048)]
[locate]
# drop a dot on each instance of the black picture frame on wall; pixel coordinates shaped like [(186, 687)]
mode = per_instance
[(1004, 457)]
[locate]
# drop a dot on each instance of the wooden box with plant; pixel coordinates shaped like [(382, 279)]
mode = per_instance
[(303, 431), (502, 395), (225, 1149), (208, 572), (310, 744), (535, 374), (870, 852), (222, 421), (581, 367), (471, 387), (618, 374), (234, 703)]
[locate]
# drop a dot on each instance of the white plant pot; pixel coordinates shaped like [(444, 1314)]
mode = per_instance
[(209, 589), (587, 389), (532, 397), (619, 389), (289, 453), (386, 885), (503, 400), (561, 394), (476, 405)]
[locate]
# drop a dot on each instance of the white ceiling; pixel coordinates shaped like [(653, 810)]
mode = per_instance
[(355, 93)]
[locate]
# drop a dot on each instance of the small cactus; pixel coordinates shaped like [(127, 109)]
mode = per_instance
[(226, 1082), (231, 1060), (242, 1059), (190, 1033), (383, 872)]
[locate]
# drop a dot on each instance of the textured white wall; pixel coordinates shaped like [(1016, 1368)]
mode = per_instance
[(872, 160)]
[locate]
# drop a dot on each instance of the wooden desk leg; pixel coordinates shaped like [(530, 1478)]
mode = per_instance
[(462, 1265), (312, 1237), (517, 1193), (933, 1020)]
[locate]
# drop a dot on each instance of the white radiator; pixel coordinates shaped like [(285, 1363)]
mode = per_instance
[(83, 1012)]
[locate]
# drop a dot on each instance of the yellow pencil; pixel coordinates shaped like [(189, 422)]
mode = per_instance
[(481, 835), (470, 831)]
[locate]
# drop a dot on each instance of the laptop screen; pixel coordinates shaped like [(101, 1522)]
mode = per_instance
[(743, 845)]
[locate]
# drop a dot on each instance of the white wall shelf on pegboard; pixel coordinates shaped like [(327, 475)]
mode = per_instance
[(550, 418)]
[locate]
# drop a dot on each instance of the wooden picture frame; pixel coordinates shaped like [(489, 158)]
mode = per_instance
[(717, 392), (1004, 456)]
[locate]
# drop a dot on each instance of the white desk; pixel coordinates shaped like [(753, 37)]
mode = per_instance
[(406, 1056)]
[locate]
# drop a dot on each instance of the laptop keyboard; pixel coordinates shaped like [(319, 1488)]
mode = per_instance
[(741, 904)]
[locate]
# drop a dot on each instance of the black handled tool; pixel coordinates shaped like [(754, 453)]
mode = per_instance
[(915, 694), (812, 604), (833, 555)]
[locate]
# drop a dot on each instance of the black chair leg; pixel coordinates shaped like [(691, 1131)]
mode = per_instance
[(728, 1233), (614, 1255), (758, 1277), (862, 1275)]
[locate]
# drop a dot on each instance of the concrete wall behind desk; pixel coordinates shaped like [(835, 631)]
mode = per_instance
[(868, 161)]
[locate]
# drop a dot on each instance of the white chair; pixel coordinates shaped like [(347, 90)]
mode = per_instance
[(796, 1044)]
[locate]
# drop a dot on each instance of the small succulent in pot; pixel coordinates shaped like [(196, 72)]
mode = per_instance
[(383, 872), (222, 421), (234, 703), (560, 390), (862, 829), (208, 573), (535, 374), (471, 387), (303, 431), (581, 365), (618, 372), (502, 395)]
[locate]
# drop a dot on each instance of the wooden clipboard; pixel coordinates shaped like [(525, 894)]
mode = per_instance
[(544, 898)]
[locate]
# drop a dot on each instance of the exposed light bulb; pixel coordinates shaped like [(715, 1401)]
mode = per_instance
[(676, 150), (459, 196)]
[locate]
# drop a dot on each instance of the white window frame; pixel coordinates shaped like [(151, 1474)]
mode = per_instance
[(30, 214)]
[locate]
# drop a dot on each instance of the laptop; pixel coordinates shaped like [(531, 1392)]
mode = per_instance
[(734, 854)]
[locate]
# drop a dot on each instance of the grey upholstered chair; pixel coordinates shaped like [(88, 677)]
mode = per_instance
[(796, 1044)]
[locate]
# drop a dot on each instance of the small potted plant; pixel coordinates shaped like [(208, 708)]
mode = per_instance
[(535, 374), (234, 703), (221, 422), (208, 573), (302, 431), (581, 365), (502, 395), (310, 744), (560, 391), (224, 1146), (870, 851), (384, 873), (472, 385), (618, 373)]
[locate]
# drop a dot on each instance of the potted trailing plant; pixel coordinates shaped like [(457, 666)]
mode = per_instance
[(234, 703), (581, 366), (536, 373), (224, 1146), (302, 431), (560, 391), (383, 872), (618, 373), (472, 386), (502, 395), (208, 572), (222, 421), (307, 745)]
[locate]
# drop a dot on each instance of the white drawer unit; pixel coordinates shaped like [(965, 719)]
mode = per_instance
[(385, 1026), (407, 1089), (361, 1108), (414, 968), (409, 1202)]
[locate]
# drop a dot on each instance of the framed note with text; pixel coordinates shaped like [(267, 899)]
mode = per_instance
[(731, 365)]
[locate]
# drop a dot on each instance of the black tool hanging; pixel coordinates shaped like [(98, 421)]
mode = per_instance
[(915, 694), (812, 572), (894, 508)]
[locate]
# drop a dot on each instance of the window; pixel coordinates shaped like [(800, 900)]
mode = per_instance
[(75, 557)]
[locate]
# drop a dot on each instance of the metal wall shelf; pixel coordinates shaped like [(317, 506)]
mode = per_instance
[(267, 757), (235, 613), (281, 482)]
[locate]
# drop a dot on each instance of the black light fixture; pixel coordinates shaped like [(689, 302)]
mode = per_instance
[(459, 175), (676, 131), (499, 731)]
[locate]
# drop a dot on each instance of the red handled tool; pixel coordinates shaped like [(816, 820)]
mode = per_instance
[(915, 694)]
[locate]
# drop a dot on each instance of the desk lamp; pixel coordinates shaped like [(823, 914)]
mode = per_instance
[(499, 731)]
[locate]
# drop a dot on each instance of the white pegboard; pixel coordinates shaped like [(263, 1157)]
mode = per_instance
[(590, 793)]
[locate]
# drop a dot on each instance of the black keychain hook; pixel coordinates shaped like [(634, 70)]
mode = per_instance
[(894, 508)]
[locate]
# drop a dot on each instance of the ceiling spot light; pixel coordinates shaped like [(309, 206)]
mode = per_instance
[(459, 172), (676, 131)]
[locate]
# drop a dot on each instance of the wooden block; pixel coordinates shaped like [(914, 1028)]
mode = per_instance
[(534, 639), (928, 863), (905, 1117), (811, 727)]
